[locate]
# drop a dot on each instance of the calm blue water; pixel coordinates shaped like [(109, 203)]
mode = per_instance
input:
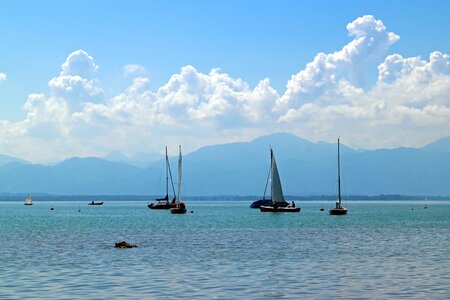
[(224, 250)]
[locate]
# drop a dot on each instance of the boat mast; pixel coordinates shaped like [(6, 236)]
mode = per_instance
[(268, 177), (179, 177), (167, 175), (171, 179), (271, 173), (339, 177)]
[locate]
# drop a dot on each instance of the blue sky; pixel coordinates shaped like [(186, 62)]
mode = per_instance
[(248, 40)]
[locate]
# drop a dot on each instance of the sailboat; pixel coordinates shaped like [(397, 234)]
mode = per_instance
[(164, 203), (264, 201), (28, 200), (179, 207), (277, 200), (338, 210)]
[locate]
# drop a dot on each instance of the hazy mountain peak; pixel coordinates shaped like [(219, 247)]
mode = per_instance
[(115, 156), (280, 137), (241, 169), (441, 145), (6, 159)]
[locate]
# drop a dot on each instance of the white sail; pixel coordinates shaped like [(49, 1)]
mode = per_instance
[(277, 191), (180, 161)]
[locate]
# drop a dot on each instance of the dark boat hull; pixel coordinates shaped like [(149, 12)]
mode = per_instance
[(279, 209), (266, 202), (159, 205), (338, 211), (178, 210), (95, 203)]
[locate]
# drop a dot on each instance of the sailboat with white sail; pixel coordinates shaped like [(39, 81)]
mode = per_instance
[(277, 197), (338, 210), (28, 200), (164, 203), (179, 207)]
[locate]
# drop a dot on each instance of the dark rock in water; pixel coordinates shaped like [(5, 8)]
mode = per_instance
[(123, 245)]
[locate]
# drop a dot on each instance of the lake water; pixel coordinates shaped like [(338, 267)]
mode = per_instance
[(224, 250)]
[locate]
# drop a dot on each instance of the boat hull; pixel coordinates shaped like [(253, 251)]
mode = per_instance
[(159, 205), (178, 210), (279, 209), (266, 202), (95, 203), (338, 211), (28, 203)]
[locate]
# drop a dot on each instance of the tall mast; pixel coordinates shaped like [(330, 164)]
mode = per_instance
[(179, 177), (268, 177), (339, 177), (271, 173), (167, 175)]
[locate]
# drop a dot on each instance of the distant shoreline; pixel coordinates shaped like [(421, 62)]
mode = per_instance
[(149, 198)]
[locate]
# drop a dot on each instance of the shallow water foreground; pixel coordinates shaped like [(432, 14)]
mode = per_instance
[(224, 250)]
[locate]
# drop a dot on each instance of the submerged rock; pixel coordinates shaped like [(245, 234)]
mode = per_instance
[(124, 244)]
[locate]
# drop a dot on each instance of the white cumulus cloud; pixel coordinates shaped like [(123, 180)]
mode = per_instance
[(2, 76), (79, 63), (409, 104), (134, 69), (322, 79)]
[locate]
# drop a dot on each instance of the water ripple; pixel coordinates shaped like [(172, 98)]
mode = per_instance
[(224, 251)]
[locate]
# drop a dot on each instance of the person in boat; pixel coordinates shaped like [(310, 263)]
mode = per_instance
[(173, 201), (182, 205), (293, 204), (337, 204), (275, 205), (92, 202)]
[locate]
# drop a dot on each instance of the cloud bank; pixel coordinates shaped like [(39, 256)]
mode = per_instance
[(408, 105)]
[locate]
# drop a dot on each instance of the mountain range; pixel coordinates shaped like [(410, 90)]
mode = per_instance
[(241, 168)]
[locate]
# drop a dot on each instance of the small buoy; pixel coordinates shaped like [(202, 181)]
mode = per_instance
[(425, 207), (412, 208), (52, 208), (191, 211), (321, 209)]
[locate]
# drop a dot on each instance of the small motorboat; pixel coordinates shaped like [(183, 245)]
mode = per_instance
[(95, 203)]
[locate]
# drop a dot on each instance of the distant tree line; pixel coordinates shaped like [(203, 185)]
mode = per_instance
[(47, 197)]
